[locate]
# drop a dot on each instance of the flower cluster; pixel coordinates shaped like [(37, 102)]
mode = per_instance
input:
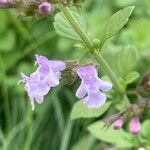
[(134, 125), (43, 79), (118, 120), (48, 74), (29, 7)]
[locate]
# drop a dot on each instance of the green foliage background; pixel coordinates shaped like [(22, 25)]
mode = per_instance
[(49, 127)]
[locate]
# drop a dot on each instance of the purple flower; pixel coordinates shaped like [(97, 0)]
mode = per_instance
[(46, 76), (135, 125), (92, 87), (45, 7)]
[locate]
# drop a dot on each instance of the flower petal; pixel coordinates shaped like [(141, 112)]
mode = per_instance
[(95, 99), (81, 91), (86, 71), (41, 60), (57, 65), (39, 98), (104, 85), (52, 80)]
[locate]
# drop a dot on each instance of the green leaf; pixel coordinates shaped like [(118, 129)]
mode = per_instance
[(84, 143), (118, 137), (146, 129), (63, 27), (116, 23), (132, 76), (126, 60), (81, 111), (4, 20), (7, 40)]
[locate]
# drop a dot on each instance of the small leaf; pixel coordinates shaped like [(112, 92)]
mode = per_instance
[(116, 23), (118, 137), (132, 76), (80, 110), (64, 28)]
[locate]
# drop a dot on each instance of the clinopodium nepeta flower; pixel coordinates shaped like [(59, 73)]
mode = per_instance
[(45, 8), (46, 76), (92, 88)]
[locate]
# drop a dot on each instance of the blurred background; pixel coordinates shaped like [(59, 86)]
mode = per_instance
[(49, 127)]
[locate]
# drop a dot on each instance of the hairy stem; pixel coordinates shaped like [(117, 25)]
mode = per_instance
[(85, 39), (76, 25)]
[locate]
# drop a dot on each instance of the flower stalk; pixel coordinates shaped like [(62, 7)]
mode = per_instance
[(86, 41)]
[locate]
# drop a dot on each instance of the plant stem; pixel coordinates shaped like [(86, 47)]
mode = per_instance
[(105, 67), (85, 39), (75, 24)]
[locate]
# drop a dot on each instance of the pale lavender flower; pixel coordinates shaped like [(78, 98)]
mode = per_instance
[(92, 88), (46, 76), (45, 7), (134, 125), (117, 124)]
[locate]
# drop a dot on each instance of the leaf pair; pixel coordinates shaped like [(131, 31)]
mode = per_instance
[(112, 26)]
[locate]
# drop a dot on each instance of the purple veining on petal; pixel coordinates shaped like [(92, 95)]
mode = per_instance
[(92, 86)]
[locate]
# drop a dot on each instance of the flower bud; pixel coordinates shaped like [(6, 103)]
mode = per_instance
[(45, 8), (96, 43), (3, 2), (135, 125), (118, 123)]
